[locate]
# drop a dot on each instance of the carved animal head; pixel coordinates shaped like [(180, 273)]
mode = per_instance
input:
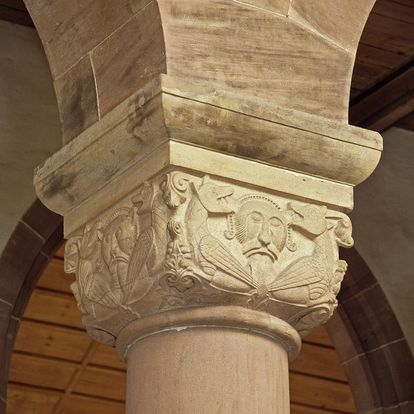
[(309, 218), (174, 187), (216, 198), (143, 199)]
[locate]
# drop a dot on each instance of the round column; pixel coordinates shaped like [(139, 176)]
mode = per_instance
[(208, 360), (207, 370)]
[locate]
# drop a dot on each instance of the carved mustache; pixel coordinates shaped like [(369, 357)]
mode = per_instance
[(256, 247)]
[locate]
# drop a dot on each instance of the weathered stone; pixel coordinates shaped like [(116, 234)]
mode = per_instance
[(181, 241), (174, 112)]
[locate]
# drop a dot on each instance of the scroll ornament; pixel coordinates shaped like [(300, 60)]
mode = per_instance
[(183, 241)]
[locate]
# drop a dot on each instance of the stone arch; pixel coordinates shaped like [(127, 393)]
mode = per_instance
[(36, 237), (100, 54), (371, 344), (29, 133)]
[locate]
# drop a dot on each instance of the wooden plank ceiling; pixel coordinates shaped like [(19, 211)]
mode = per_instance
[(382, 93), (57, 368)]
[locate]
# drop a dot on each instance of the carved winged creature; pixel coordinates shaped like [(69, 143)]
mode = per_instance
[(315, 271), (215, 253), (261, 229), (138, 277), (209, 199), (82, 255), (114, 260)]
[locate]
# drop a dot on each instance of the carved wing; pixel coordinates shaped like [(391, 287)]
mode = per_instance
[(137, 283), (103, 295), (214, 252), (302, 272), (72, 254), (159, 223), (140, 254)]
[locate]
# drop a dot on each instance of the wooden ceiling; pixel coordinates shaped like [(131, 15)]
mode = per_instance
[(57, 368), (382, 93)]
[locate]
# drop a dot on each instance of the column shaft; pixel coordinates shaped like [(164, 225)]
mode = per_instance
[(207, 371)]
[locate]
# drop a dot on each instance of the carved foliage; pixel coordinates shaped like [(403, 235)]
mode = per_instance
[(183, 241)]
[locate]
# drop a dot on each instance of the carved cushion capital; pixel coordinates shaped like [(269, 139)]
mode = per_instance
[(181, 243)]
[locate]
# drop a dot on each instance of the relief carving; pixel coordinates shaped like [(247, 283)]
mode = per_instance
[(183, 241)]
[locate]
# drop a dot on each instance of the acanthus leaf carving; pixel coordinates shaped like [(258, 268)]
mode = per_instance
[(183, 241)]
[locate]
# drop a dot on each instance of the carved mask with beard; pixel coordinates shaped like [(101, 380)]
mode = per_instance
[(261, 228)]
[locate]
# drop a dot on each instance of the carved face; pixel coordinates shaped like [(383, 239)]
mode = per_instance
[(261, 229)]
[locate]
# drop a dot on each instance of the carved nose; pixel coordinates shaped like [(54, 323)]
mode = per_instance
[(264, 236)]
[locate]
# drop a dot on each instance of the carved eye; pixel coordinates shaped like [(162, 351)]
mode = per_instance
[(256, 217), (275, 222)]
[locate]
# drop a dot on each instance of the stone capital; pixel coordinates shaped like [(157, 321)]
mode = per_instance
[(165, 233), (193, 250)]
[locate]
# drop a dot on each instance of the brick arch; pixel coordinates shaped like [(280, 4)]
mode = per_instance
[(36, 237), (371, 344)]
